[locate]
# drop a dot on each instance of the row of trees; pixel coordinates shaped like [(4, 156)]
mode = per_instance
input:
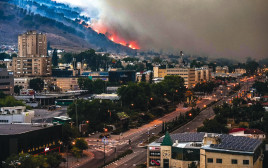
[(206, 87), (253, 114), (94, 87), (25, 160), (141, 95), (141, 101)]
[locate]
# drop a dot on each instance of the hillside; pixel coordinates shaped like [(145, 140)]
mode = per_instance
[(64, 35)]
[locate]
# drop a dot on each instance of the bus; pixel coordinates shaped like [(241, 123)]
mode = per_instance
[(61, 120), (64, 102)]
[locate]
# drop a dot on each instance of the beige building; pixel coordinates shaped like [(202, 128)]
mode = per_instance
[(67, 84), (188, 74), (32, 60), (223, 69), (202, 74), (23, 82), (32, 44), (205, 150)]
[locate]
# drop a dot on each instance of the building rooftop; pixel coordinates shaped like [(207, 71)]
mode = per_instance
[(227, 142), (12, 129)]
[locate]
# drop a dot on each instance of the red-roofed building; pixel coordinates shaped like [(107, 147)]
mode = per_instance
[(251, 133)]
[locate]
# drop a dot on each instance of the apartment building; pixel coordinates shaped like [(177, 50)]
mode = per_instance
[(202, 74), (32, 60), (188, 74), (6, 81), (206, 150)]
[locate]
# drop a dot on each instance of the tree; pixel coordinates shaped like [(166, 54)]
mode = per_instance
[(17, 89), (4, 56), (13, 55), (151, 78), (3, 66), (10, 101), (251, 66), (54, 159), (192, 165), (99, 86), (67, 58), (212, 126), (77, 152), (36, 84), (81, 144), (55, 58)]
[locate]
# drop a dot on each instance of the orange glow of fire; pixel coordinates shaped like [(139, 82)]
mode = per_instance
[(111, 35)]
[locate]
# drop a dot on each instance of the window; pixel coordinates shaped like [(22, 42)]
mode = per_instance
[(210, 160), (234, 161), (246, 162), (218, 160)]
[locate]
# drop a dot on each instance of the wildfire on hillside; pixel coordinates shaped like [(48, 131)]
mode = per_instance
[(110, 35)]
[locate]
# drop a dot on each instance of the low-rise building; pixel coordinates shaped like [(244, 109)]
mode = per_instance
[(6, 81), (206, 150), (29, 138), (17, 114)]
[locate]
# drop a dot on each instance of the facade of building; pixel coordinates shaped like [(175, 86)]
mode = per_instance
[(122, 77), (6, 81), (32, 44), (67, 84), (7, 63), (202, 74), (188, 74), (28, 138), (17, 114), (32, 57), (23, 82), (240, 71), (206, 150), (224, 69)]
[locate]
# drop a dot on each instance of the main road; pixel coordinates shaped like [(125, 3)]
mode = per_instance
[(139, 135)]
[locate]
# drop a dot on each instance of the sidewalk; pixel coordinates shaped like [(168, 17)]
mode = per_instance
[(72, 161)]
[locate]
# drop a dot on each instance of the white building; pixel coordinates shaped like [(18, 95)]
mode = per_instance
[(17, 114)]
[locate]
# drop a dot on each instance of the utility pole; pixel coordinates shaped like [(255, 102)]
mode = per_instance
[(104, 150), (76, 113)]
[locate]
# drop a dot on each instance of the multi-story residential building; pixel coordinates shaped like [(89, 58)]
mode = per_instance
[(17, 114), (32, 57), (206, 150), (188, 74), (6, 81), (202, 74), (32, 44)]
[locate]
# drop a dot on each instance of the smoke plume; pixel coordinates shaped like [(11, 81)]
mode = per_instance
[(217, 28)]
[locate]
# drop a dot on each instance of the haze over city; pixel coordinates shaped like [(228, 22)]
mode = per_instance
[(216, 28)]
